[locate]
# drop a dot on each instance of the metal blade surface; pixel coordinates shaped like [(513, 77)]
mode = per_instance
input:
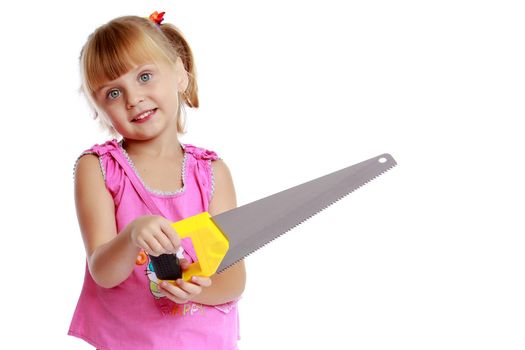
[(255, 224)]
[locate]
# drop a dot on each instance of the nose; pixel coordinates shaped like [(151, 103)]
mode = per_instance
[(133, 98)]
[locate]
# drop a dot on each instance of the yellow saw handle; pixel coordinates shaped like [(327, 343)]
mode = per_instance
[(210, 244)]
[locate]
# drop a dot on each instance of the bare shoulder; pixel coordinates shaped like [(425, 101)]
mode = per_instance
[(87, 164), (220, 169), (224, 197), (94, 203)]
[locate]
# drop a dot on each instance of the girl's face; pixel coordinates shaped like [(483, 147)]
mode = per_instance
[(143, 103)]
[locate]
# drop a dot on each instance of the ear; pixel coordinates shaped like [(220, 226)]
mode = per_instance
[(182, 75)]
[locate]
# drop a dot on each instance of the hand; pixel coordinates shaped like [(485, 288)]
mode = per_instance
[(181, 292), (155, 235)]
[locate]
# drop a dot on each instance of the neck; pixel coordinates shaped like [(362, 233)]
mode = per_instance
[(157, 147)]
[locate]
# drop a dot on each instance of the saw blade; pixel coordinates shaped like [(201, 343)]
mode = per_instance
[(251, 226)]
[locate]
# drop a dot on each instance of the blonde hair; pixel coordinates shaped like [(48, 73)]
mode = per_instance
[(115, 47)]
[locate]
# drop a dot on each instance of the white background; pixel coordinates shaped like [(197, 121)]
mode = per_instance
[(427, 256)]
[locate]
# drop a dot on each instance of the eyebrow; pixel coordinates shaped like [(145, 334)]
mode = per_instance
[(138, 68), (101, 88)]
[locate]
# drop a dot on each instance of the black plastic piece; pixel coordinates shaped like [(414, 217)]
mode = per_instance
[(166, 266)]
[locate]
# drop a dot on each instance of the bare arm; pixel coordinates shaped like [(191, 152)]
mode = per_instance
[(110, 257), (229, 284)]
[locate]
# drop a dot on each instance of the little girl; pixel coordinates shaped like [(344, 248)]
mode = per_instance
[(137, 73)]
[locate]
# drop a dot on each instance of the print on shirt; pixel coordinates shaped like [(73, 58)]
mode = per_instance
[(188, 309), (153, 281)]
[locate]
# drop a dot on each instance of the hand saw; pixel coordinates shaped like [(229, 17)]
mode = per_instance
[(222, 240)]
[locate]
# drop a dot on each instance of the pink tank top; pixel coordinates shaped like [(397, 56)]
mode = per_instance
[(134, 315)]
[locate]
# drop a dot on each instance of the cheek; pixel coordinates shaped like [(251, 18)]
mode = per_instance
[(168, 93), (170, 102), (115, 116)]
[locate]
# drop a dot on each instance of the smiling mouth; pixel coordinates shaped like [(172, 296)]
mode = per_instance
[(144, 116)]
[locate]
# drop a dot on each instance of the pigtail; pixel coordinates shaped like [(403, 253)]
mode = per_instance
[(183, 50)]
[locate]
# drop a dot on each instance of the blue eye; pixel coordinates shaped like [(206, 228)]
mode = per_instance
[(113, 94), (145, 77)]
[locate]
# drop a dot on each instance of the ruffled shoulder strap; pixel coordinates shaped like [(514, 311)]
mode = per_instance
[(200, 153), (99, 151), (104, 148)]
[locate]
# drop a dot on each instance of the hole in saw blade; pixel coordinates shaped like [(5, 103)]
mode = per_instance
[(382, 160)]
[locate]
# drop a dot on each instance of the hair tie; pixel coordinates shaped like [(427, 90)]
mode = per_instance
[(157, 18)]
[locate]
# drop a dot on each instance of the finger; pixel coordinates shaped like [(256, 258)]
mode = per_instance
[(171, 297), (174, 290), (171, 234), (165, 243), (188, 287), (184, 264), (144, 245), (201, 281), (155, 248)]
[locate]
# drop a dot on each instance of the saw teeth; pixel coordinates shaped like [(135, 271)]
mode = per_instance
[(299, 223)]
